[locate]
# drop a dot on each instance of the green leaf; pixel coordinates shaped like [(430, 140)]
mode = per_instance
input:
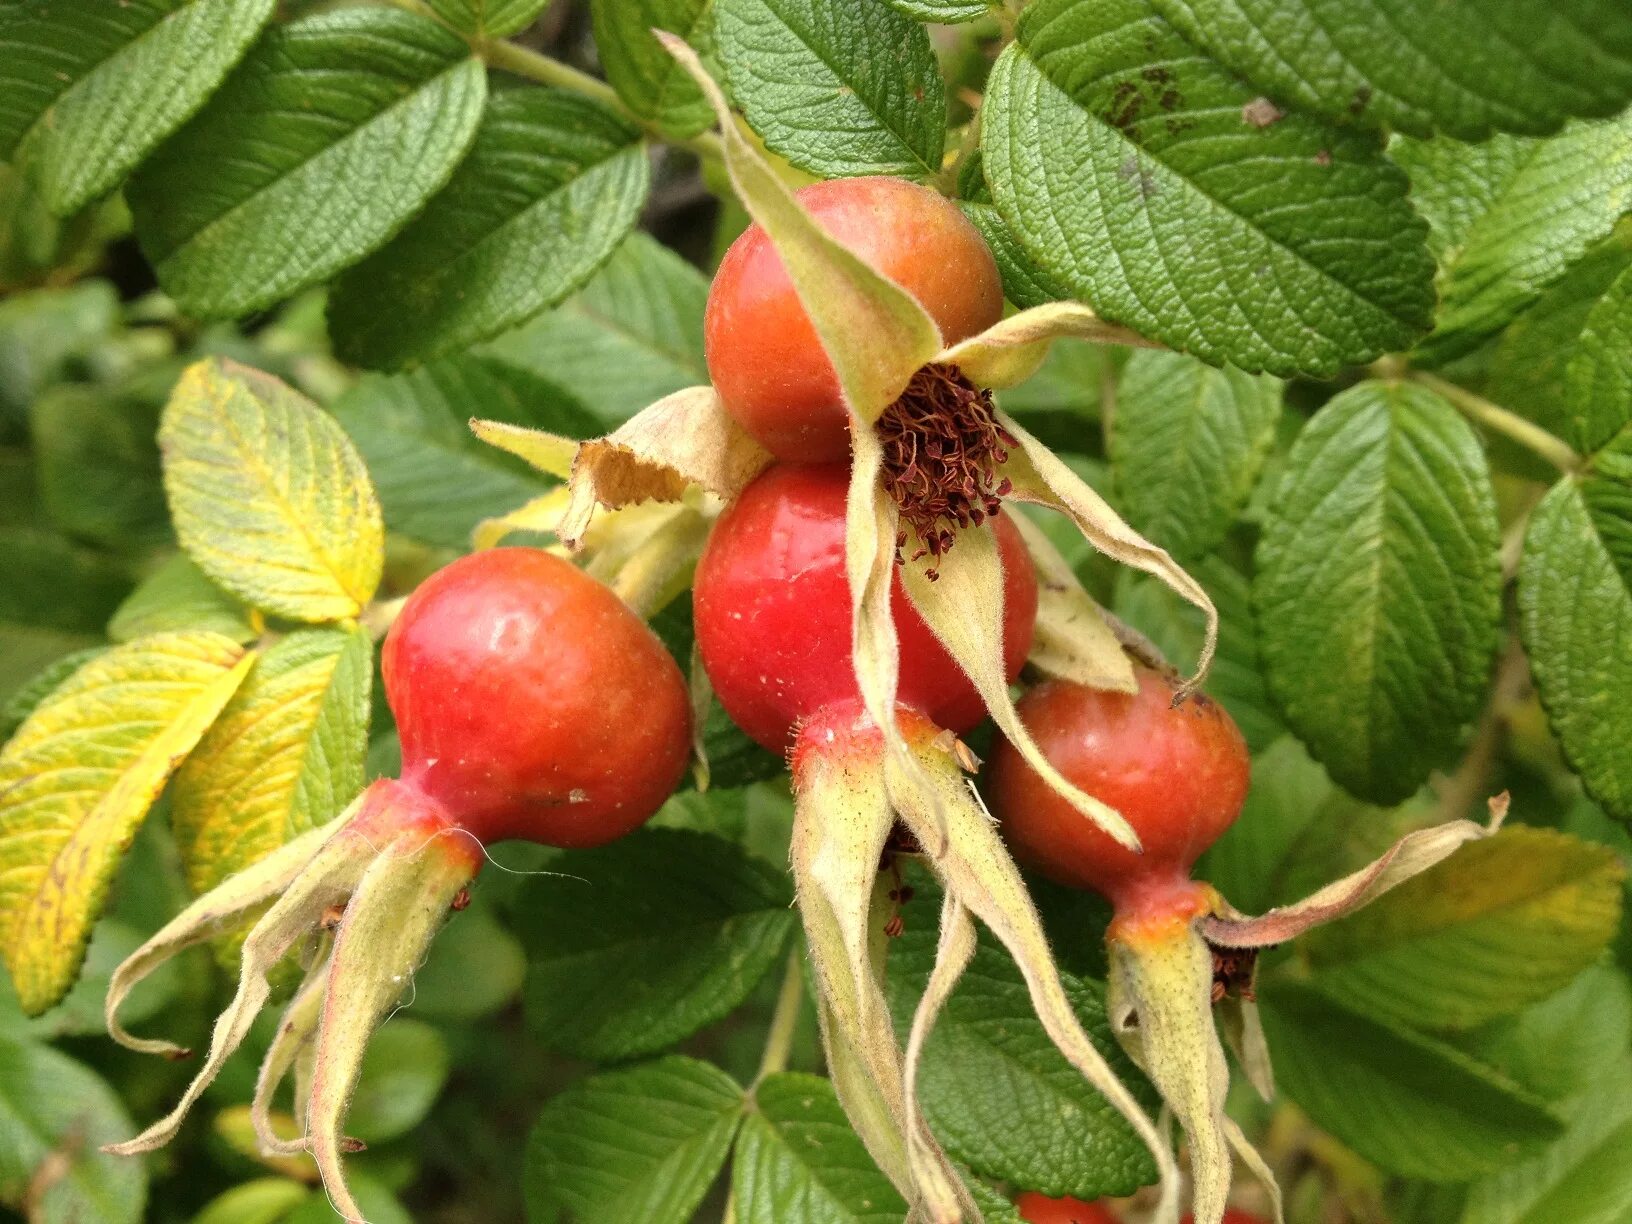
[(98, 466), (1412, 1105), (645, 941), (836, 89), (942, 12), (435, 479), (1560, 1046), (1177, 629), (75, 782), (1290, 793), (1421, 65), (175, 596), (403, 1073), (798, 1161), (1187, 444), (1575, 615), (52, 1107), (285, 755), (642, 1143), (269, 496), (1290, 247), (54, 598), (1440, 950), (379, 1205), (650, 81), (633, 335), (1524, 210), (1378, 587), (475, 967), (1584, 1178), (42, 331), (266, 1200), (997, 1093), (552, 184), (489, 18), (1598, 383), (87, 89), (39, 686), (333, 132), (1024, 283)]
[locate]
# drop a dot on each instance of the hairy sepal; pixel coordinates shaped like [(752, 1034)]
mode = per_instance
[(978, 872), (875, 333), (1009, 352), (399, 905), (541, 516), (290, 1049), (1040, 477), (964, 609), (1160, 1003), (842, 818), (1072, 639)]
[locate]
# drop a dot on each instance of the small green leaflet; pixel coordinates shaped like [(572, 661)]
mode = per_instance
[(551, 185), (650, 81), (836, 89), (1421, 66), (177, 595), (645, 941), (1378, 586), (1125, 164), (88, 88), (333, 132), (1575, 615), (640, 1143)]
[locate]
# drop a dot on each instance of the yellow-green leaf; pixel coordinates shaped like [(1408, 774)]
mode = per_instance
[(285, 756), (75, 782), (269, 496)]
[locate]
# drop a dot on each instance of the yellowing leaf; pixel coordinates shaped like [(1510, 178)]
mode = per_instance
[(285, 755), (269, 496), (875, 332), (75, 782)]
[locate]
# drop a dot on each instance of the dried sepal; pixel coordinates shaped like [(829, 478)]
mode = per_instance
[(1243, 1032), (976, 869), (1251, 1157), (1072, 640), (291, 1043), (964, 609), (1009, 352), (550, 453), (1040, 477), (875, 332)]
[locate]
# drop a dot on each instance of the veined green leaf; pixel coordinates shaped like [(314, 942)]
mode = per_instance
[(942, 12), (1501, 924), (1560, 1046), (640, 1143), (1512, 215), (1575, 609), (631, 336), (1187, 444), (1378, 587), (798, 1161), (88, 89), (1024, 283), (489, 18), (1118, 155), (269, 496), (1421, 66), (649, 939), (76, 780), (333, 132), (1598, 383), (1410, 1104), (836, 89), (285, 755), (54, 598), (648, 79), (178, 596), (98, 466), (266, 1200), (551, 185)]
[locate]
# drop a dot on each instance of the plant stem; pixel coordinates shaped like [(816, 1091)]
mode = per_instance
[(784, 1020), (1503, 421)]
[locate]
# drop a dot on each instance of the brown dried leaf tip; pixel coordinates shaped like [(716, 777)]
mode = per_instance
[(942, 450)]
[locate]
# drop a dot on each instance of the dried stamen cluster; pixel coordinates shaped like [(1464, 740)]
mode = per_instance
[(942, 448)]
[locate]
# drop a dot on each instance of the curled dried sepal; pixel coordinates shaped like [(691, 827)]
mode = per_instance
[(1009, 352), (1040, 477), (290, 1046), (977, 871), (1073, 640), (964, 608)]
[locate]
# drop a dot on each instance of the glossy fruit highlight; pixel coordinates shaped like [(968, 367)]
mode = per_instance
[(1037, 1208), (763, 353), (773, 611)]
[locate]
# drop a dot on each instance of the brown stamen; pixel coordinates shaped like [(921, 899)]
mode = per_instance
[(942, 448)]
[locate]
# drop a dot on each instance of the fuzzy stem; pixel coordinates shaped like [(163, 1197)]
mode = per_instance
[(1503, 421), (784, 1020)]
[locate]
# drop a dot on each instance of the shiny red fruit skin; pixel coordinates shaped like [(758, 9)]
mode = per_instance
[(1179, 775), (772, 611), (532, 703), (763, 355), (1036, 1208)]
